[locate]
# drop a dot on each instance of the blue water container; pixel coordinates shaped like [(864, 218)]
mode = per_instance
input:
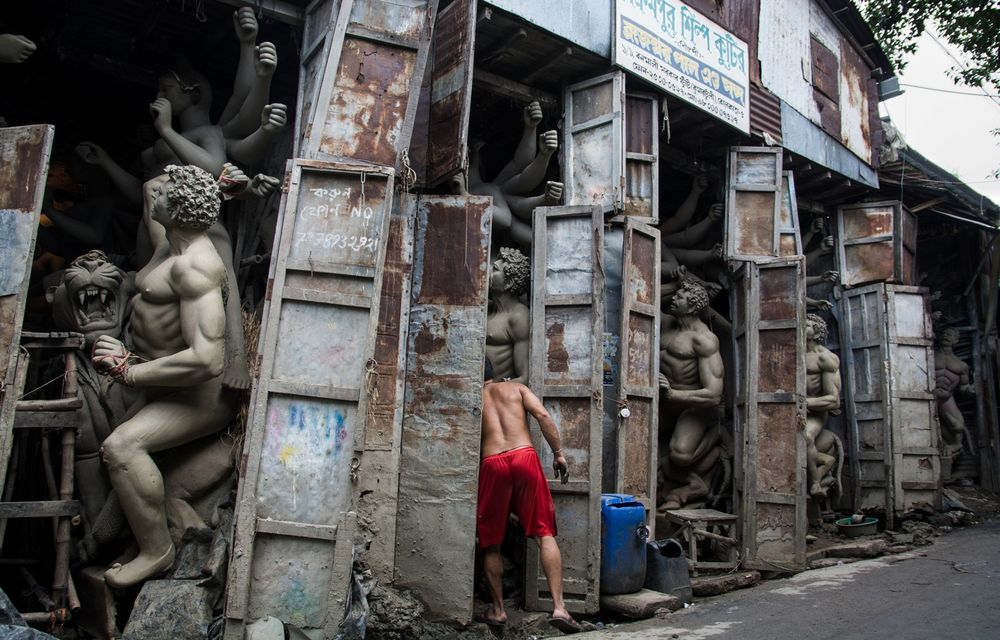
[(623, 543)]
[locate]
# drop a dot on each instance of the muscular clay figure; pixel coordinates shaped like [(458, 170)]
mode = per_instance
[(822, 397), (951, 375), (691, 385), (178, 325), (508, 322)]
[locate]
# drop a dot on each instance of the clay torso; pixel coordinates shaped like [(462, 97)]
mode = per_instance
[(678, 360), (500, 344), (948, 372)]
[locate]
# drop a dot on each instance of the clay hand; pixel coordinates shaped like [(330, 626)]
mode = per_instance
[(700, 183), (831, 276), (712, 288), (15, 49), (935, 296), (263, 185), (162, 114), (823, 305), (267, 59), (245, 23), (532, 114), (232, 180), (91, 153), (274, 117), (718, 251), (553, 192), (818, 225), (937, 315), (664, 386), (548, 142), (716, 212), (560, 467), (108, 353), (827, 243)]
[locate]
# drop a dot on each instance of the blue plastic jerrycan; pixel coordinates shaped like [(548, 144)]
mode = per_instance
[(623, 543)]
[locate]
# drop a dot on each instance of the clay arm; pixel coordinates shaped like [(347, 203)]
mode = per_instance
[(523, 207), (710, 371), (245, 121), (824, 247), (829, 365), (683, 214), (125, 182), (696, 232), (90, 232), (209, 153), (832, 277), (202, 327), (526, 148), (549, 431), (695, 257), (534, 173), (245, 24), (251, 149)]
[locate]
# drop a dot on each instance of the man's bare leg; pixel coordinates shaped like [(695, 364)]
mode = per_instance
[(493, 569), (551, 558), (164, 423)]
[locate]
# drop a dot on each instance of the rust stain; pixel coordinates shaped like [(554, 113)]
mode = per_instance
[(426, 341), (557, 354)]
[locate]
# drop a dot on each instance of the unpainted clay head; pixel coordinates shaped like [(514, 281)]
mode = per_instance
[(189, 199), (689, 299), (816, 326), (511, 272)]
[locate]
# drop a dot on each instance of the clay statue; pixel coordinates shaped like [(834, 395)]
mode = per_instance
[(951, 375), (508, 322), (178, 325), (822, 398), (691, 385), (512, 209), (15, 49)]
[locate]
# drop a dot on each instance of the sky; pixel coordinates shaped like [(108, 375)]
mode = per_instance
[(945, 126)]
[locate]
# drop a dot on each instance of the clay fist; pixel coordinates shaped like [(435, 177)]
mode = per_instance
[(245, 23), (267, 59), (15, 49), (274, 117)]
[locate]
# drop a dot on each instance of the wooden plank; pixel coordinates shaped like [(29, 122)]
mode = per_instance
[(24, 164), (308, 418), (876, 241), (642, 151), (39, 509), (769, 411), (754, 206), (593, 152), (568, 249), (446, 347), (788, 239), (639, 367)]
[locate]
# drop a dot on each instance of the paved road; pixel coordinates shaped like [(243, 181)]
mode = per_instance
[(949, 590)]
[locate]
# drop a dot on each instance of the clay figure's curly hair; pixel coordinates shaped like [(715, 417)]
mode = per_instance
[(516, 270), (820, 329), (699, 297), (192, 197)]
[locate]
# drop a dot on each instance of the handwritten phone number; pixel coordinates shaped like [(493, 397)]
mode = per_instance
[(335, 241)]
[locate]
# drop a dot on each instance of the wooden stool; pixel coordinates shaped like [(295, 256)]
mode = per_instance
[(694, 523)]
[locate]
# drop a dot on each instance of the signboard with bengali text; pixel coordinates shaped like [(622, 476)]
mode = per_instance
[(678, 49)]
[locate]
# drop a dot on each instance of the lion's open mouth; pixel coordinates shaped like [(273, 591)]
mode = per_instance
[(95, 304)]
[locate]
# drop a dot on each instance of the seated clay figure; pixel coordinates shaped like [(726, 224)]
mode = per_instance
[(508, 321), (691, 386)]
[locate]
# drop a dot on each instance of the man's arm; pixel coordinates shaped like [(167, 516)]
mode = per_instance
[(549, 431), (710, 371), (203, 326)]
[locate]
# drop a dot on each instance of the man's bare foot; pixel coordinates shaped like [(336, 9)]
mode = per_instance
[(491, 616), (561, 620), (144, 566)]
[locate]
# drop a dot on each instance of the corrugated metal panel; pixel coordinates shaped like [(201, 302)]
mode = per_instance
[(765, 112)]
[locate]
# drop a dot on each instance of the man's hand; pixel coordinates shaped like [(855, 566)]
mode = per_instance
[(245, 23), (560, 467), (548, 142), (162, 114), (532, 114), (274, 117), (15, 49), (267, 60)]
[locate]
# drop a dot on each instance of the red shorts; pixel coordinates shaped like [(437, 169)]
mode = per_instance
[(513, 481)]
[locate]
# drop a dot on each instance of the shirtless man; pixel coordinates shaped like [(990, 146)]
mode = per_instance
[(950, 375), (511, 478), (822, 397), (508, 321), (178, 324), (691, 384)]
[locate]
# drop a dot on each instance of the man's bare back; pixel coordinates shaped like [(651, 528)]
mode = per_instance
[(505, 421)]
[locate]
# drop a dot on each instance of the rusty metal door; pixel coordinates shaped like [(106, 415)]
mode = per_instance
[(754, 226), (567, 371), (876, 241), (864, 366), (593, 151), (768, 305), (789, 240), (446, 349), (916, 464), (642, 151), (296, 509), (638, 378), (24, 164), (368, 86)]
